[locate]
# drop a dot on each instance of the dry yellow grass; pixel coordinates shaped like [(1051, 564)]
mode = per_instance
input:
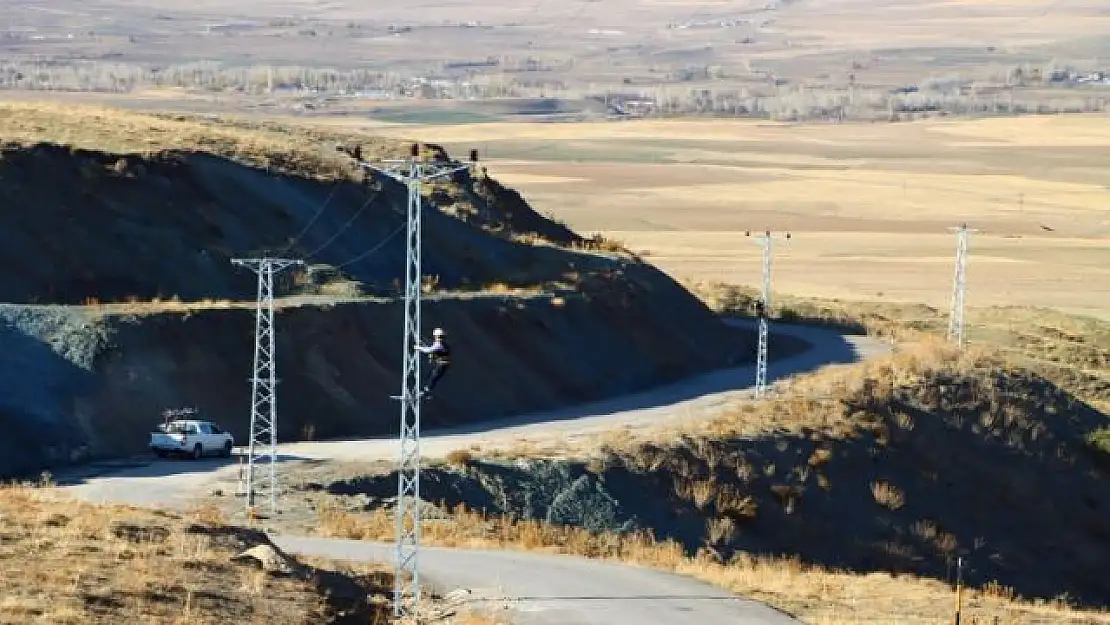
[(810, 401), (1031, 132), (67, 562), (1050, 130), (813, 401), (894, 266), (286, 148), (816, 595), (715, 130), (1071, 350), (459, 458)]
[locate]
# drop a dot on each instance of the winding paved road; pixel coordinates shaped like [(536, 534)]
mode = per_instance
[(561, 590), (543, 590)]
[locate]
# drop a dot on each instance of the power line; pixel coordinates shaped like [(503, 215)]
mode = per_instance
[(312, 221), (346, 225), (377, 247)]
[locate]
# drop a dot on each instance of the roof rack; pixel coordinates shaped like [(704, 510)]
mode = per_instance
[(173, 414)]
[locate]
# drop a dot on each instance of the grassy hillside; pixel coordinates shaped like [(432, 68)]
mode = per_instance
[(813, 501), (902, 467), (118, 230), (216, 190), (1071, 350)]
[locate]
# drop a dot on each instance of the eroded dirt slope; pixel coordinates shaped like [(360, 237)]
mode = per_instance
[(93, 244)]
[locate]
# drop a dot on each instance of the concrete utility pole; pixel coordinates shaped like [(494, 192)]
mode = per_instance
[(764, 311), (264, 382), (959, 286), (412, 171)]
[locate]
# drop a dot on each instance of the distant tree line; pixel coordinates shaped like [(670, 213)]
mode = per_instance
[(71, 75), (122, 78), (1014, 90), (835, 105)]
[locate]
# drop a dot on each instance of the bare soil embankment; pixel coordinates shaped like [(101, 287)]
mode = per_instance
[(122, 300)]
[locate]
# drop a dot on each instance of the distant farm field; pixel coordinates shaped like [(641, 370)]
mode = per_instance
[(868, 205)]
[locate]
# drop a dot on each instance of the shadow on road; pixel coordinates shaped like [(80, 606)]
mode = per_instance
[(149, 466)]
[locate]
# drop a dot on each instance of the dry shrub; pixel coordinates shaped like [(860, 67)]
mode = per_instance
[(459, 458), (1099, 442), (429, 284), (721, 530), (819, 457), (887, 495), (730, 500), (208, 514), (700, 492), (994, 589), (599, 243), (530, 238), (787, 495), (924, 529)]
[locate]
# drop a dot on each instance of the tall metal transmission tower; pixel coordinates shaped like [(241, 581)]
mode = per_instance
[(263, 435), (412, 171), (764, 311), (959, 286)]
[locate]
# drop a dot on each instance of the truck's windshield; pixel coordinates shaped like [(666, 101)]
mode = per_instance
[(179, 428)]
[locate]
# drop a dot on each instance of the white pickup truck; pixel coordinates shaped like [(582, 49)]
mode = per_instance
[(192, 437)]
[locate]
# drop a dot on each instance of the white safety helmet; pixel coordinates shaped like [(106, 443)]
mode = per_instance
[(437, 333)]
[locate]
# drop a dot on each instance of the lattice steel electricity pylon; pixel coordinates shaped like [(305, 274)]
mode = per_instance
[(263, 433), (764, 311), (412, 171), (959, 286)]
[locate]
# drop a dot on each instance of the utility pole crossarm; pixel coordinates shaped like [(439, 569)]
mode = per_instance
[(404, 171), (446, 172)]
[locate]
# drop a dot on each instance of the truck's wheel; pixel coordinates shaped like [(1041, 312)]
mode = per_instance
[(198, 451), (160, 453), (227, 449)]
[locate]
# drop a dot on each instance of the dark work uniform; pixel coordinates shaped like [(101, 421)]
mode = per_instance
[(440, 355)]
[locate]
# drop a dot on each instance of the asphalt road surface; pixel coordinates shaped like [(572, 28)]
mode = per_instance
[(541, 589), (559, 590)]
